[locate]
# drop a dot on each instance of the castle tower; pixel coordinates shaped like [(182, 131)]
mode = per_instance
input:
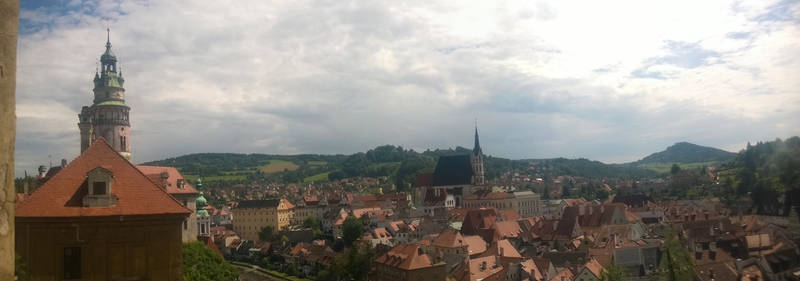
[(107, 117), (477, 162)]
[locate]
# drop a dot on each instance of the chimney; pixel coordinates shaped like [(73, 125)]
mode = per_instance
[(581, 210), (500, 249), (25, 189)]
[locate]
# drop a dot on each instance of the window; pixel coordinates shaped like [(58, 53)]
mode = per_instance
[(72, 262), (99, 188)]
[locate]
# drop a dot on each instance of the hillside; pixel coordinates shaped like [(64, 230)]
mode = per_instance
[(400, 165), (684, 153)]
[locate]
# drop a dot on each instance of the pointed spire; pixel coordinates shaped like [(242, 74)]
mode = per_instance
[(108, 38), (477, 148)]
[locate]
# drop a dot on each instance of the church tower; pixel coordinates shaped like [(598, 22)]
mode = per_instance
[(476, 158), (107, 117)]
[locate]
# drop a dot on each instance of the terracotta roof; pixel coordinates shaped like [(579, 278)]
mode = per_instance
[(564, 274), (483, 268), (504, 246), (594, 266), (508, 229), (530, 267), (62, 195), (171, 182), (487, 194), (475, 244), (508, 215), (406, 257), (449, 238)]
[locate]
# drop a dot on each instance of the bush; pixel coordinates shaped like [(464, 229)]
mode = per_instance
[(202, 264)]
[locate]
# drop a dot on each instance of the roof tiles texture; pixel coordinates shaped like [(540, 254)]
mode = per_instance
[(171, 182), (62, 195)]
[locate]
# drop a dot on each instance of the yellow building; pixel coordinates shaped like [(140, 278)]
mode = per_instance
[(250, 216)]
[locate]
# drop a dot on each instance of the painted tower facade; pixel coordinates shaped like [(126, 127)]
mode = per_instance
[(107, 117), (476, 159)]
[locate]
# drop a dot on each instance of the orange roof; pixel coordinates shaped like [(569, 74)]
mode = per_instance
[(475, 244), (564, 274), (171, 182), (594, 266), (508, 250), (406, 257), (62, 195), (449, 238)]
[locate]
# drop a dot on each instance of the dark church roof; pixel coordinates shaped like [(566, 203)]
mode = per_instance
[(453, 170)]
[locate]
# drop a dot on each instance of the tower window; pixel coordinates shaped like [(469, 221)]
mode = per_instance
[(108, 94)]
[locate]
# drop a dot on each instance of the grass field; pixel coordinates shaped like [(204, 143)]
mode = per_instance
[(276, 166), (317, 163), (663, 168), (317, 177)]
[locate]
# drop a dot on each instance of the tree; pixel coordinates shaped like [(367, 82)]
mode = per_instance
[(612, 272), (202, 264), (675, 169), (352, 228), (266, 234), (354, 264), (675, 262)]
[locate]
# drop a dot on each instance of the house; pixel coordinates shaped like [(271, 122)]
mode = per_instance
[(591, 271), (250, 216), (100, 218), (407, 262), (169, 179)]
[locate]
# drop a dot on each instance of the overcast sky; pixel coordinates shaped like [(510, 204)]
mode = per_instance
[(606, 80)]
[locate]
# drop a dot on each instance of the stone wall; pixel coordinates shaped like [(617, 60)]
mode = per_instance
[(9, 14)]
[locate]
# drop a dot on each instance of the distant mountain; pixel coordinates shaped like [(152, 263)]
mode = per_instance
[(684, 152)]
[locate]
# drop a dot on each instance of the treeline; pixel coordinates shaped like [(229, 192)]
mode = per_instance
[(770, 173)]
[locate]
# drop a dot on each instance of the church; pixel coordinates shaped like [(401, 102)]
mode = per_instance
[(454, 178)]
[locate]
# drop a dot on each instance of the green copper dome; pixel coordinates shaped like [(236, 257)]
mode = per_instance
[(202, 213), (201, 201)]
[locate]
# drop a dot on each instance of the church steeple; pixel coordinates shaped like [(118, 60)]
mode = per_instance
[(476, 159), (476, 149)]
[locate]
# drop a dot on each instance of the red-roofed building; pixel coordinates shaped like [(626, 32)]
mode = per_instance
[(169, 179), (100, 218), (407, 262)]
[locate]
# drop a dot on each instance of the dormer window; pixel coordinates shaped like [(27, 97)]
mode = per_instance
[(98, 182)]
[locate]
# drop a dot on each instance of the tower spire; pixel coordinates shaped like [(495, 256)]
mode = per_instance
[(108, 38), (476, 149)]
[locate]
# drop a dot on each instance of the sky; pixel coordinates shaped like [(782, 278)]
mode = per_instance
[(606, 80)]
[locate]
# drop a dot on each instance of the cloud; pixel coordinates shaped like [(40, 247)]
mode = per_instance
[(545, 79)]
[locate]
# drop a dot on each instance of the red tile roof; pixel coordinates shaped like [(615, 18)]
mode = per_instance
[(171, 182), (406, 257), (449, 238), (62, 195)]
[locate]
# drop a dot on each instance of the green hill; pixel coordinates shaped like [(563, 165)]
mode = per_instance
[(684, 152)]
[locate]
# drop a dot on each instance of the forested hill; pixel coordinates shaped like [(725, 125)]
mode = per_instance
[(684, 152), (399, 164)]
